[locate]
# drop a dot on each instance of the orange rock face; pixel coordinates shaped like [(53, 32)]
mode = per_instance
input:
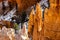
[(35, 22), (0, 0), (51, 24), (8, 24), (24, 4), (51, 21)]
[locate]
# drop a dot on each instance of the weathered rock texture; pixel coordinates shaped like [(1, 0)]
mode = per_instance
[(51, 21), (50, 25), (24, 4)]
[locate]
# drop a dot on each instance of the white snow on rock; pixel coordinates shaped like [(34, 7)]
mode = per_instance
[(9, 15)]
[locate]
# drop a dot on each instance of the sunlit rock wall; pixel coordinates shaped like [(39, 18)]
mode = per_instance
[(51, 21)]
